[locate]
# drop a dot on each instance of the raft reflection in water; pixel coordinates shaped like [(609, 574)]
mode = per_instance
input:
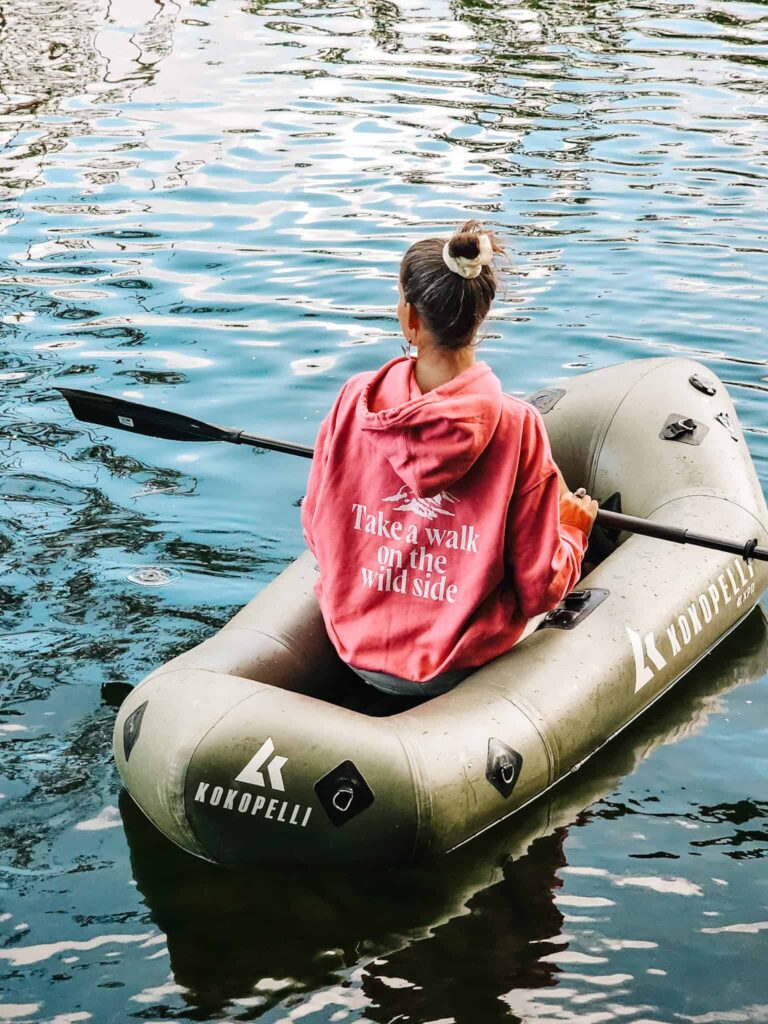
[(489, 909)]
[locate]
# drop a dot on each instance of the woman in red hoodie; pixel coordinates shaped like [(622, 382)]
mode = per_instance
[(440, 523)]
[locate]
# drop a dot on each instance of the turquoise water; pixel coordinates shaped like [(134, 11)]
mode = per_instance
[(203, 207)]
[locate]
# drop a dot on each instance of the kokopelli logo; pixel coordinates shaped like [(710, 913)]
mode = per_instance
[(648, 659), (252, 773), (735, 586)]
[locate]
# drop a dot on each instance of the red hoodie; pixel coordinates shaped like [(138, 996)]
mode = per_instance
[(434, 519)]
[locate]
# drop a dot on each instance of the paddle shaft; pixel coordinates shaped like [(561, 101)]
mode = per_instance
[(305, 451), (677, 535), (143, 419)]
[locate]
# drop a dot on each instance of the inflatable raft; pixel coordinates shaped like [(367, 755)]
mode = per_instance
[(260, 744), (219, 956)]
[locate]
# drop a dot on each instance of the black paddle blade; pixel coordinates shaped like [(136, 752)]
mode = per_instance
[(142, 419)]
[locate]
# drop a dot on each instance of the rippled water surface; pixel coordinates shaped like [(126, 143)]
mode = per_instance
[(203, 205)]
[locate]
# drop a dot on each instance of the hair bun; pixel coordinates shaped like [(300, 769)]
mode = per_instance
[(467, 253)]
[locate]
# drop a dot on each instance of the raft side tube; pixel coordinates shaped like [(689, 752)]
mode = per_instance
[(578, 423), (607, 417), (285, 778), (495, 763), (157, 729), (278, 638), (719, 464)]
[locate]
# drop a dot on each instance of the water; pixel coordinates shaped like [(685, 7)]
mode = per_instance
[(203, 206)]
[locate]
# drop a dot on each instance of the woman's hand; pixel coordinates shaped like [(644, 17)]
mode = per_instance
[(578, 509)]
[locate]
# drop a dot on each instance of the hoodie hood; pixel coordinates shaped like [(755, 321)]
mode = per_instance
[(430, 440)]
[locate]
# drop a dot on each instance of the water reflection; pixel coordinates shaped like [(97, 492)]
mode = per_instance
[(203, 205), (443, 941), (52, 53)]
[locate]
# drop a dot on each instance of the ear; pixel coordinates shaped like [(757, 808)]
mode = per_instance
[(412, 318)]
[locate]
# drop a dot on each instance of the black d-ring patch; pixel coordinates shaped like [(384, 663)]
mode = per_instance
[(503, 767), (344, 793), (132, 728)]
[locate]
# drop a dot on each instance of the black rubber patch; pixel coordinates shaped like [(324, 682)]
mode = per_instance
[(679, 427), (503, 768), (343, 793), (546, 399), (574, 608), (702, 384), (132, 728)]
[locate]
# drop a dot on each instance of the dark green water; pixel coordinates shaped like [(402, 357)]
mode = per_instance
[(203, 206)]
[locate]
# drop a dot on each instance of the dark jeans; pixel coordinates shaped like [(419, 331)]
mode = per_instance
[(407, 688)]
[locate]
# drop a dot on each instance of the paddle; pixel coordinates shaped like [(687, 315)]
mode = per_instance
[(143, 419), (172, 426)]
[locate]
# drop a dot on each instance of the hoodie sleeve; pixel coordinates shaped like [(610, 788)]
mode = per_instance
[(309, 502), (317, 467), (544, 554)]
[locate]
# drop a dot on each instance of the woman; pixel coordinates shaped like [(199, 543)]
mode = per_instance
[(441, 526)]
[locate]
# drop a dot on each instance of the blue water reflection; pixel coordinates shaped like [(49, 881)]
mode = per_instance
[(203, 204)]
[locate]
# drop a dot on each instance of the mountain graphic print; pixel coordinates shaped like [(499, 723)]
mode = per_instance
[(427, 508)]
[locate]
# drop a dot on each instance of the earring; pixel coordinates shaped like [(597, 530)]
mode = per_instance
[(407, 348)]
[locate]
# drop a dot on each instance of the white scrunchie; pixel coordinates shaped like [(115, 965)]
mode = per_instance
[(470, 267)]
